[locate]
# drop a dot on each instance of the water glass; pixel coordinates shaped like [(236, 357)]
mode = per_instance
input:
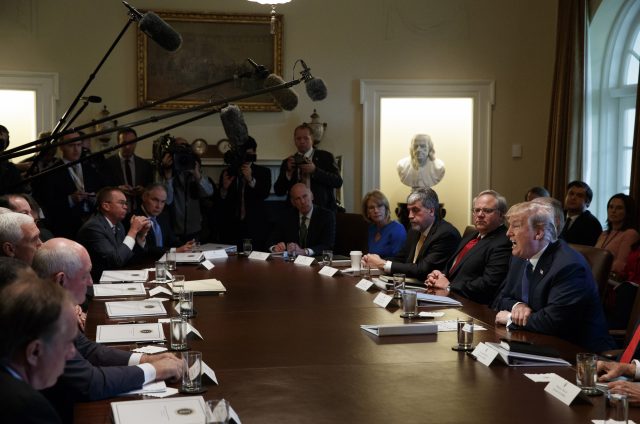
[(327, 257), (398, 285), (247, 246), (586, 375), (192, 374), (409, 304), (171, 259), (177, 285), (217, 411), (161, 271), (465, 334), (178, 329), (186, 304), (617, 410)]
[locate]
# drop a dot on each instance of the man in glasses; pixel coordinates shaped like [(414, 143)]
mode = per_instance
[(104, 236), (480, 263)]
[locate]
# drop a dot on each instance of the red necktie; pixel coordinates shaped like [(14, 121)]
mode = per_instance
[(464, 251), (631, 347)]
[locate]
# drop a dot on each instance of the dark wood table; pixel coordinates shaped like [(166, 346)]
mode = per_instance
[(286, 346)]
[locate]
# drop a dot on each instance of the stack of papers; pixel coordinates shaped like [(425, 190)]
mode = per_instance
[(400, 329), (112, 290), (135, 308), (210, 285), (518, 359), (440, 300), (124, 276), (125, 333)]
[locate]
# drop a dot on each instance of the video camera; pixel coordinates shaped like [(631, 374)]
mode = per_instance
[(238, 155), (184, 158)]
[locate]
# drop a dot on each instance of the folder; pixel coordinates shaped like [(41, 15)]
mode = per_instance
[(400, 329)]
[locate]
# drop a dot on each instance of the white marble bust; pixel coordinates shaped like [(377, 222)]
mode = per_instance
[(422, 168)]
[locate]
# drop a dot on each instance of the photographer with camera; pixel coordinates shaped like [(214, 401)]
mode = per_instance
[(314, 168), (186, 186), (243, 188)]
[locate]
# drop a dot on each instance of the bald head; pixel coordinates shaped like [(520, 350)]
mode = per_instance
[(301, 198), (67, 263)]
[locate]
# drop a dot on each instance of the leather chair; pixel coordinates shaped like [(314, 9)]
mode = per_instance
[(468, 230), (600, 261), (351, 234)]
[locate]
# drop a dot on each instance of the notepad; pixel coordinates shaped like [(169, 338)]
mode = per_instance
[(125, 333), (113, 290), (210, 285), (135, 308), (122, 276)]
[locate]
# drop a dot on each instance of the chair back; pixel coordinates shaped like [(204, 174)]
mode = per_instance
[(470, 229), (351, 234), (600, 261)]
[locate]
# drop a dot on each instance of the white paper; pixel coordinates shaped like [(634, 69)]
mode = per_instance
[(150, 349), (259, 256), (185, 257), (208, 285), (119, 276), (425, 314), (207, 264), (382, 300), (119, 333), (304, 260), (157, 290), (135, 308), (152, 387), (452, 325), (160, 410), (169, 391), (440, 300), (562, 390), (192, 329), (364, 284), (610, 422), (125, 289), (215, 254), (484, 354), (229, 248), (541, 378), (328, 271), (208, 371)]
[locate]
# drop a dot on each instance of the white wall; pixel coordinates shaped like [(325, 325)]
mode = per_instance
[(509, 41)]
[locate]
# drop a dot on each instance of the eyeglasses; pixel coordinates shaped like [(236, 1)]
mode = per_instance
[(486, 211)]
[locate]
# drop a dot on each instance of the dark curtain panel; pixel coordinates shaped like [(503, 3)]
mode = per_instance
[(564, 144), (634, 190)]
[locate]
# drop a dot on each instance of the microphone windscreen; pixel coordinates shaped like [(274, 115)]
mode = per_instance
[(286, 98), (160, 32), (234, 125), (316, 90), (92, 99)]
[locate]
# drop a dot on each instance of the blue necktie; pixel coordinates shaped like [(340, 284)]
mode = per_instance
[(526, 278), (156, 231)]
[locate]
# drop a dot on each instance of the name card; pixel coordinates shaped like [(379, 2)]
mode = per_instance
[(383, 300), (484, 354), (328, 271), (259, 256), (207, 264), (364, 284), (159, 289), (192, 329), (562, 390), (304, 260), (206, 370)]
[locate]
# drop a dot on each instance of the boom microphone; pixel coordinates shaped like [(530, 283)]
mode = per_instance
[(316, 90), (156, 29), (261, 71), (234, 125), (286, 98), (92, 99)]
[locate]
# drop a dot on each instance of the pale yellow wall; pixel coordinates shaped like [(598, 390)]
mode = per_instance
[(509, 41)]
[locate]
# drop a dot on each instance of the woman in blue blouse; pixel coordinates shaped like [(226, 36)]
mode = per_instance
[(386, 237)]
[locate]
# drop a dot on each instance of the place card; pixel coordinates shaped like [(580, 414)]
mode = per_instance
[(304, 260), (259, 256), (541, 378), (206, 370), (207, 264), (383, 300), (563, 390), (192, 329), (484, 354), (159, 289), (329, 271), (364, 284)]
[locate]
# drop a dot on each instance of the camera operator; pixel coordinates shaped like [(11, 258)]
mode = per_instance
[(314, 168), (243, 188), (10, 179), (180, 171)]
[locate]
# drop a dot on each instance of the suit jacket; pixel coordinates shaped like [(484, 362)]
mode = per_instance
[(585, 230), (105, 248), (143, 173), (169, 238), (22, 404), (321, 232), (95, 372), (440, 243), (234, 229), (324, 181), (52, 193), (482, 269), (563, 296)]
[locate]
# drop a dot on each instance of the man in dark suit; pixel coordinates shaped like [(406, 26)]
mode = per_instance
[(478, 267), (430, 242), (95, 371), (67, 196), (33, 351), (104, 236), (129, 172), (549, 287), (315, 168), (580, 226), (306, 230), (242, 194), (160, 236)]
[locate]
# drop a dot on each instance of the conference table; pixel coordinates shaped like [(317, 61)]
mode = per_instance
[(286, 345)]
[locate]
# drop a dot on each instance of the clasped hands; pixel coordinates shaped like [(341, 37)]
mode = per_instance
[(608, 370), (289, 247), (519, 315)]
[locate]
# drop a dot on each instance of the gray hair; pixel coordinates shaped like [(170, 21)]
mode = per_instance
[(57, 255), (11, 226), (540, 216), (500, 200), (557, 210), (428, 197)]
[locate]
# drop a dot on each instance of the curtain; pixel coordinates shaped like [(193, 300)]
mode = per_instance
[(563, 161), (634, 189)]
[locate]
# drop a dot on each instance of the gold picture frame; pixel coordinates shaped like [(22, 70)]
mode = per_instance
[(215, 47)]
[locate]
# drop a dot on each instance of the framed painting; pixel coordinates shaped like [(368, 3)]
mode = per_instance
[(215, 49)]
